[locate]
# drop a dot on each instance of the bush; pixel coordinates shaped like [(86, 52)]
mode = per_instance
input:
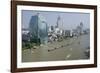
[(36, 41), (26, 45)]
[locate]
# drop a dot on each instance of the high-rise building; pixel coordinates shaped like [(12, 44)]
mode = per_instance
[(59, 23), (38, 29)]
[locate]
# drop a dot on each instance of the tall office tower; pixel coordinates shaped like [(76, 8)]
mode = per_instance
[(60, 23), (38, 29)]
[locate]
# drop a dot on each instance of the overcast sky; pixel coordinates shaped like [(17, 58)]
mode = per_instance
[(70, 19)]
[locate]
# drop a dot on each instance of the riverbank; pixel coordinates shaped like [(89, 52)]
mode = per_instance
[(68, 49)]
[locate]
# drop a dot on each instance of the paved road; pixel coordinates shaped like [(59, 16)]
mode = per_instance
[(68, 49)]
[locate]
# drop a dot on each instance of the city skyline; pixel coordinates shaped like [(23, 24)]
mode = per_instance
[(68, 19)]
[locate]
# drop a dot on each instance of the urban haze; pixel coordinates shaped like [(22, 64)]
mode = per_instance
[(55, 36)]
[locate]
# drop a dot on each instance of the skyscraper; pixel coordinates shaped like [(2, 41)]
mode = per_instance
[(38, 29), (59, 23)]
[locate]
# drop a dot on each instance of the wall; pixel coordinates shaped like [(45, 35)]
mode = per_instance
[(5, 36)]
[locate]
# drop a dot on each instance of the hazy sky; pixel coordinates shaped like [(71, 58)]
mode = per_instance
[(70, 19)]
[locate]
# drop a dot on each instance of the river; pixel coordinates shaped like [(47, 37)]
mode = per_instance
[(68, 49)]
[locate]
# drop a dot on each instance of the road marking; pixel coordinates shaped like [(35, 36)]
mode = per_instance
[(32, 52), (70, 49), (68, 56)]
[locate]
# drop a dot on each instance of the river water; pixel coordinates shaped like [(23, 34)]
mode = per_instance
[(68, 49)]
